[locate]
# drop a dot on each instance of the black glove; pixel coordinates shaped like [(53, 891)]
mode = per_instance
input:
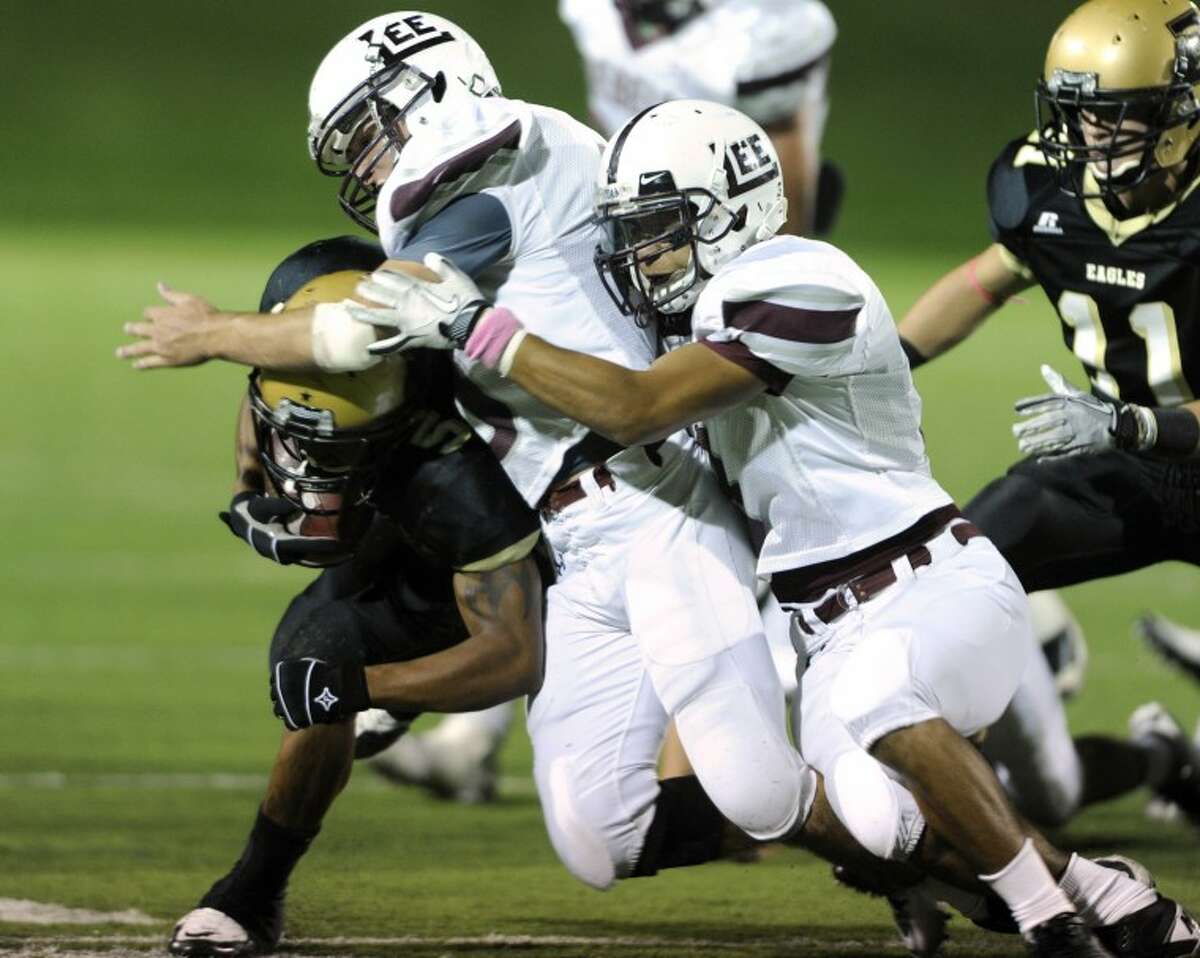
[(309, 691), (261, 521)]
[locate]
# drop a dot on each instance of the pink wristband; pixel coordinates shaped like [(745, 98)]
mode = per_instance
[(491, 335)]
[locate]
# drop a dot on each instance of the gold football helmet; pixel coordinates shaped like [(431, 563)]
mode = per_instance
[(321, 436), (1118, 99)]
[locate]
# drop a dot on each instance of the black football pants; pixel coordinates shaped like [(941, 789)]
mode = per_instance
[(1072, 519)]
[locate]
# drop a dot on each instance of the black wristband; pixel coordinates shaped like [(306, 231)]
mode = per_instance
[(915, 358), (1178, 432), (1126, 434)]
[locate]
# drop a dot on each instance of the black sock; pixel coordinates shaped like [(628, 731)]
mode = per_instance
[(252, 892), (686, 830)]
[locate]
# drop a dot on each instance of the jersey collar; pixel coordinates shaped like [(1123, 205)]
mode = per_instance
[(1120, 230)]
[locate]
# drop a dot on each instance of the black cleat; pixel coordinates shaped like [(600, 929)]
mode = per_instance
[(1178, 645), (920, 923), (1064, 936), (1182, 785), (1161, 930)]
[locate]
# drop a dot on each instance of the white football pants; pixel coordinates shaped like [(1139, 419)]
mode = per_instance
[(653, 617), (949, 640)]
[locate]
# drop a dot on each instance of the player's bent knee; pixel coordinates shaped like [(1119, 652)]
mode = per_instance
[(324, 630), (578, 840), (881, 815)]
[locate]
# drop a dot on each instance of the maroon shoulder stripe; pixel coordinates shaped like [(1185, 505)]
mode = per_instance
[(737, 352), (412, 196), (787, 322)]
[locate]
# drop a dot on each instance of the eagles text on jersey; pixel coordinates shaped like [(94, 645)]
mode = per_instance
[(1127, 290)]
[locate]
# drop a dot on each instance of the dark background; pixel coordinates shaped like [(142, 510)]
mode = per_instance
[(177, 115)]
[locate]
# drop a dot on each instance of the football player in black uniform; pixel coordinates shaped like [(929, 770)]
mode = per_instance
[(1099, 207), (434, 605)]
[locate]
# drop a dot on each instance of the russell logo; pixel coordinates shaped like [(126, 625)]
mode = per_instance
[(1048, 223)]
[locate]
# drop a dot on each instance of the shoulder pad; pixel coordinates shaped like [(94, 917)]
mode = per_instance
[(1013, 178), (470, 154)]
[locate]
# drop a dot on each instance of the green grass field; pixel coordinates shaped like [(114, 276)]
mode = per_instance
[(134, 642)]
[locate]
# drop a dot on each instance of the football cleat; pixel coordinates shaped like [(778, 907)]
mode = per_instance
[(1064, 936), (375, 730), (1161, 930), (461, 771), (1182, 783), (1134, 869), (205, 932), (1176, 644), (920, 923)]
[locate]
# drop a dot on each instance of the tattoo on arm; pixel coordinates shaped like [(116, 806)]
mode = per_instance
[(509, 594)]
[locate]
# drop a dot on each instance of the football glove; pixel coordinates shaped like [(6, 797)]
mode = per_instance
[(310, 691), (425, 315), (1068, 421), (261, 521)]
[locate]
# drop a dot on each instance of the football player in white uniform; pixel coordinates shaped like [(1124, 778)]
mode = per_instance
[(653, 613), (768, 58), (916, 630)]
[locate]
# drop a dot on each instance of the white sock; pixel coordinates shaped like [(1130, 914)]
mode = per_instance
[(1029, 889), (1103, 895)]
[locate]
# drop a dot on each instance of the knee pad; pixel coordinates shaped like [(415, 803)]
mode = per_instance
[(744, 761), (880, 813), (590, 852)]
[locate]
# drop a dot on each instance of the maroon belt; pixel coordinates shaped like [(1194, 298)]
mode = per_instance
[(869, 584), (557, 499)]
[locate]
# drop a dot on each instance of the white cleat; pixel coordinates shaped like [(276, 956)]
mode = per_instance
[(455, 767), (206, 932), (1181, 786)]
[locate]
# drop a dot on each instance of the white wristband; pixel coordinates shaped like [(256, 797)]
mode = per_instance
[(339, 342), (509, 356)]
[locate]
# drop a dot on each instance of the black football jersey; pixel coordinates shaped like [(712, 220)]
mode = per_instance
[(444, 489), (1127, 291)]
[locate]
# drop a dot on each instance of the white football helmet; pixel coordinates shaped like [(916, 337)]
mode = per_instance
[(683, 173), (370, 93)]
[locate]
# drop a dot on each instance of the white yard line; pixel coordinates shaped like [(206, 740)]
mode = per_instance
[(513, 786), (24, 911)]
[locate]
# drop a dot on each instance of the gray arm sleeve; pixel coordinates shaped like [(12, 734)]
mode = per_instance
[(473, 232)]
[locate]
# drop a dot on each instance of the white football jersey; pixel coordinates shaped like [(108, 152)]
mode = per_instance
[(830, 459), (765, 57), (542, 166)]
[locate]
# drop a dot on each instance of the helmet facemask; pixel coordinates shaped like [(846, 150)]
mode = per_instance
[(643, 231), (370, 125), (327, 473), (1121, 137)]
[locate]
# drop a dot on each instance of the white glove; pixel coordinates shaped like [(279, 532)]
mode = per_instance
[(1064, 422), (425, 314)]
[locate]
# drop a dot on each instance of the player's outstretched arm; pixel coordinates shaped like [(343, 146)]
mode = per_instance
[(187, 330), (632, 407), (499, 661), (958, 303)]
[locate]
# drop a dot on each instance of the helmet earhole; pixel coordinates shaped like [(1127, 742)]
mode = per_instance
[(439, 87), (739, 218)]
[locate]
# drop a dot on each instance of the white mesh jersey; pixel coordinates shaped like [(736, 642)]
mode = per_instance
[(830, 458), (542, 166), (765, 57)]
